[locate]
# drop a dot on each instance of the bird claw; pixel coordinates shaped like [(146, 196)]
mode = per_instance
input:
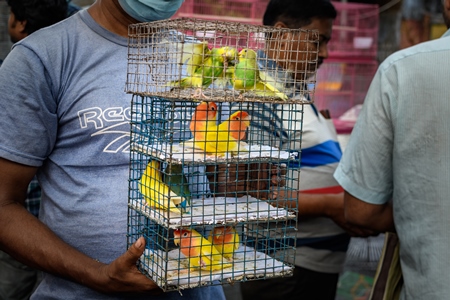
[(199, 94), (230, 259), (225, 64)]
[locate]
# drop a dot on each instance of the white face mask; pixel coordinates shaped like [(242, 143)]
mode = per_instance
[(150, 10)]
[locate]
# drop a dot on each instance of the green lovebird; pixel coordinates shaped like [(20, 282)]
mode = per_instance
[(178, 183), (245, 77), (212, 67)]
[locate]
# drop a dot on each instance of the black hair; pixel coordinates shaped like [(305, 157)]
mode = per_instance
[(38, 13), (297, 13)]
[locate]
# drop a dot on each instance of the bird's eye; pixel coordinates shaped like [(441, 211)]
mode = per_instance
[(237, 118), (185, 234)]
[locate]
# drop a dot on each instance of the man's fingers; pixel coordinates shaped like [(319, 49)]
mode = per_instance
[(278, 169), (227, 180), (255, 179), (135, 251), (278, 180)]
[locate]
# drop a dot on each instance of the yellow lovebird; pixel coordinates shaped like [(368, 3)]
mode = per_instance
[(215, 139), (225, 239), (236, 125), (217, 142), (156, 192), (245, 77), (203, 118), (194, 55), (225, 137), (199, 251)]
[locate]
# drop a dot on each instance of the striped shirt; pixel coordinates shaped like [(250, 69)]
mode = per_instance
[(321, 244)]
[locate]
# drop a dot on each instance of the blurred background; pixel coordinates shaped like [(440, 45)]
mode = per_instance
[(364, 34)]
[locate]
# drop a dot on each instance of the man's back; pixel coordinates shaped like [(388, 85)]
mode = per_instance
[(406, 156)]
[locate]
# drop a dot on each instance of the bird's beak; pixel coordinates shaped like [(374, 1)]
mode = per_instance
[(177, 240), (217, 233)]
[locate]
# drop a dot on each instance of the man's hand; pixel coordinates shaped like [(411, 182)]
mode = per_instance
[(123, 276), (254, 179)]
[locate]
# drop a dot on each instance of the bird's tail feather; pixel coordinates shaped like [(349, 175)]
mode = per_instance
[(268, 90)]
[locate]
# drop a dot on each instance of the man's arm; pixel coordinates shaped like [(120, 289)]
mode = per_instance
[(323, 205), (371, 216), (31, 242)]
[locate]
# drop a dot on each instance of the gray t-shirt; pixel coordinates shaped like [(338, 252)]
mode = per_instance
[(64, 110)]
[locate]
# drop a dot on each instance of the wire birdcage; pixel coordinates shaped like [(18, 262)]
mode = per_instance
[(214, 165)]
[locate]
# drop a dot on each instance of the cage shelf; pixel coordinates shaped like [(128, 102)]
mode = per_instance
[(248, 264), (218, 210)]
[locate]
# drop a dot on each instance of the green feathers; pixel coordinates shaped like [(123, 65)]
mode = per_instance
[(245, 77), (178, 183), (204, 66)]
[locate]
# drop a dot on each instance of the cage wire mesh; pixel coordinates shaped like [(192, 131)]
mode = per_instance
[(213, 178)]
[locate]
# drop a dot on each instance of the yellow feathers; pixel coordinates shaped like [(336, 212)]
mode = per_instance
[(157, 194), (220, 139), (200, 252), (225, 239)]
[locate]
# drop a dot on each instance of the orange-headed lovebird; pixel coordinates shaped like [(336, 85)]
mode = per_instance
[(226, 136), (236, 125), (200, 252), (204, 118), (225, 239)]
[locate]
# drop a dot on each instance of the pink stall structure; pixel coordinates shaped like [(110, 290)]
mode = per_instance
[(355, 31), (344, 78), (243, 11)]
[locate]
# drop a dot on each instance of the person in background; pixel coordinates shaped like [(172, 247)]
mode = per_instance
[(395, 169), (17, 280), (415, 26), (28, 16), (322, 233), (52, 83)]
